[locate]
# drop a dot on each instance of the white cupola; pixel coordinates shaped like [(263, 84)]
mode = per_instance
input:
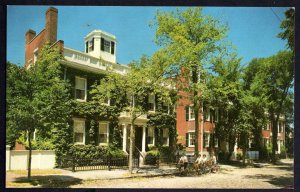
[(102, 45)]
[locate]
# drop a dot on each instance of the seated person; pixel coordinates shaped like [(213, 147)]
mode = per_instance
[(204, 159), (183, 161), (199, 159), (214, 163)]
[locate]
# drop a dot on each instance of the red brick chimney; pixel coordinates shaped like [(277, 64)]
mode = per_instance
[(30, 34), (51, 25)]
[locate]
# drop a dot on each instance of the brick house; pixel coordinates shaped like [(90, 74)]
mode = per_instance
[(83, 69)]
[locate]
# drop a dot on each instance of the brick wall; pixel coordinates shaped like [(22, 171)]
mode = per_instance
[(35, 42)]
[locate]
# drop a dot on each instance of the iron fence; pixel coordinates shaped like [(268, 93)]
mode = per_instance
[(83, 164)]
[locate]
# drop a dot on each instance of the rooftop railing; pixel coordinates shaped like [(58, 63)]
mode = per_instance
[(90, 61)]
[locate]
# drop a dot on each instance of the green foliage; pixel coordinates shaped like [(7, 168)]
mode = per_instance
[(190, 40), (288, 25), (93, 152), (239, 156), (151, 157)]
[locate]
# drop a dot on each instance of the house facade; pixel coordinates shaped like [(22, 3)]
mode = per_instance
[(83, 68)]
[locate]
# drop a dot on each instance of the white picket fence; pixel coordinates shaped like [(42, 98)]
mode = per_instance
[(18, 159)]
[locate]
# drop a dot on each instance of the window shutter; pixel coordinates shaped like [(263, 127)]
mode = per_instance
[(187, 111), (102, 44), (87, 47), (112, 47), (187, 139), (93, 44), (204, 137)]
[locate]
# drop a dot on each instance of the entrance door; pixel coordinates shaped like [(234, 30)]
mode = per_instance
[(138, 137)]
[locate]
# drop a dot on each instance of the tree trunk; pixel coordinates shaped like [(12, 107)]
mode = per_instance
[(132, 135), (29, 157), (131, 147), (244, 154), (196, 111), (274, 136)]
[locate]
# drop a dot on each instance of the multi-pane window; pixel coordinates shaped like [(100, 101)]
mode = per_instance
[(80, 88), (91, 45), (207, 114), (35, 55), (216, 141), (151, 102), (206, 139), (165, 136), (79, 131), (106, 46), (191, 139), (192, 113), (103, 133), (150, 136), (165, 107), (216, 115)]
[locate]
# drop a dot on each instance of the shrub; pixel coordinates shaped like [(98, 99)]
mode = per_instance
[(151, 157), (239, 156), (92, 151)]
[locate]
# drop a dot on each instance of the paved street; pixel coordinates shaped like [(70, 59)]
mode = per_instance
[(270, 176)]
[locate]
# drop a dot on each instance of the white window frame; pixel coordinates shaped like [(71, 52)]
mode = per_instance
[(153, 136), (216, 142), (217, 115), (166, 129), (107, 46), (107, 132), (83, 139), (207, 136), (108, 102), (85, 88), (207, 114), (191, 110), (154, 107), (35, 55), (189, 144)]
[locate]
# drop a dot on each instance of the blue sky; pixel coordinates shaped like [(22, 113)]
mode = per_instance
[(252, 30)]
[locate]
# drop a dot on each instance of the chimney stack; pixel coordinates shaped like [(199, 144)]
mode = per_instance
[(30, 34), (51, 25)]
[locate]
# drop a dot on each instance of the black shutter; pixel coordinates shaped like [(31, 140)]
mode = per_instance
[(187, 113), (112, 44), (93, 44), (186, 139), (203, 142), (87, 47), (102, 44)]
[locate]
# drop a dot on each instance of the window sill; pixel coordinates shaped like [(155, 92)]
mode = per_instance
[(103, 144), (80, 100), (79, 143)]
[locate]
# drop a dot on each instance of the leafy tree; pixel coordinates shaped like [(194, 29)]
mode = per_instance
[(38, 99), (272, 84), (225, 90), (190, 39), (288, 25), (145, 76)]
